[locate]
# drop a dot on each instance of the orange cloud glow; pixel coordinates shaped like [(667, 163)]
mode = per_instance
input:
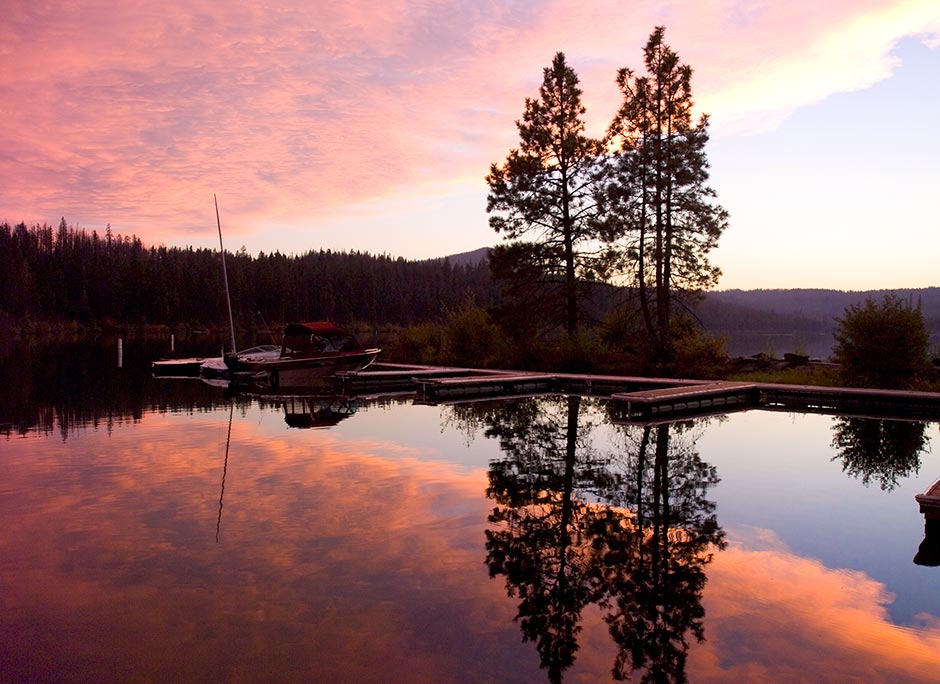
[(296, 113), (804, 617), (351, 560)]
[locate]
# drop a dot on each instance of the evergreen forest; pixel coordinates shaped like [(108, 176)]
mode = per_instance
[(68, 274)]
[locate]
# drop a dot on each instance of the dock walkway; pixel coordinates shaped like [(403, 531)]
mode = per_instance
[(641, 398), (690, 398), (930, 501)]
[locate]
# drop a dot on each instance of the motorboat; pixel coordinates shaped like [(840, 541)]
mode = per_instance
[(309, 352)]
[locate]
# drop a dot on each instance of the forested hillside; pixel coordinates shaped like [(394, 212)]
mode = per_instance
[(802, 310), (68, 274)]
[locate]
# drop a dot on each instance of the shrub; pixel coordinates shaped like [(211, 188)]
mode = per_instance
[(417, 344), (470, 338), (881, 345), (697, 353)]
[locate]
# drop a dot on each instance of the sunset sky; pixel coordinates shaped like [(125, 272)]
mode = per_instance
[(370, 126)]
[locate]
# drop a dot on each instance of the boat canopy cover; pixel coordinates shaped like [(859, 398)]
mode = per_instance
[(303, 339), (318, 327)]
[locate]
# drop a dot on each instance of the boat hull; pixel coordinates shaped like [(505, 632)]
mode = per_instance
[(306, 371)]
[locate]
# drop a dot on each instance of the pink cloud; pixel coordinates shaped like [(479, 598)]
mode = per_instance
[(135, 114), (774, 616), (147, 497)]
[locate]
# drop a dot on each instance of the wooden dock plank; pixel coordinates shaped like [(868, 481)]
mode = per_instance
[(645, 397), (930, 501), (495, 384), (684, 392), (688, 399), (488, 379)]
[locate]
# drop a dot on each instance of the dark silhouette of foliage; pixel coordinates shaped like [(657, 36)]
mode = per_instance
[(71, 386), (70, 275), (631, 531), (879, 450), (660, 214), (546, 190), (881, 345), (655, 556), (537, 540)]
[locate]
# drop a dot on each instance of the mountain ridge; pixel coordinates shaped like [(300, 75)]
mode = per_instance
[(782, 309)]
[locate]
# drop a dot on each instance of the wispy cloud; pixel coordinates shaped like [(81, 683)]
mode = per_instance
[(136, 113)]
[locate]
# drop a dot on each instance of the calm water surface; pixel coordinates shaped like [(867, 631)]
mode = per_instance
[(161, 531)]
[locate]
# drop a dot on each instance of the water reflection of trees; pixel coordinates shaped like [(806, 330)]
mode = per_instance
[(69, 386), (627, 527), (883, 451), (656, 552)]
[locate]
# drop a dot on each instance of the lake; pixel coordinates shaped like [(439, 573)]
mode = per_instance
[(168, 531)]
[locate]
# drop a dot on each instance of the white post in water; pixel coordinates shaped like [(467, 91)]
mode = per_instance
[(120, 353), (172, 343), (228, 297)]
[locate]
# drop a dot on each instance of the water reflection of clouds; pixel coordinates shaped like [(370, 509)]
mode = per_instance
[(339, 560), (802, 617), (351, 560)]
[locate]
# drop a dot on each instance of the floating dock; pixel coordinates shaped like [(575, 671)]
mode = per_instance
[(176, 368), (863, 403), (689, 399), (930, 502), (493, 385), (641, 398), (391, 377)]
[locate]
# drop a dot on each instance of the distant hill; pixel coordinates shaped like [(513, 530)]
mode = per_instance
[(469, 258), (781, 311), (803, 309)]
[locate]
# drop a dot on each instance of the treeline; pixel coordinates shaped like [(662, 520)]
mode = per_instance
[(69, 274)]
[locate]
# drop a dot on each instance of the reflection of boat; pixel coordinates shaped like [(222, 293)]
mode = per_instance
[(930, 501), (308, 353), (318, 411)]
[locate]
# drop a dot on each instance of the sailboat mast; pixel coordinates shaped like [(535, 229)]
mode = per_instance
[(228, 296)]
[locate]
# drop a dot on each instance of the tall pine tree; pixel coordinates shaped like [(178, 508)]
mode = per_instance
[(663, 218), (545, 191)]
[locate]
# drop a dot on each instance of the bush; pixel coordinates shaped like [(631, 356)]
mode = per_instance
[(471, 338), (417, 344), (697, 353), (881, 345)]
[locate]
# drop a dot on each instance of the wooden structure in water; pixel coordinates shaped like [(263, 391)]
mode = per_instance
[(655, 400), (689, 399), (402, 377), (641, 398), (928, 553), (930, 502)]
